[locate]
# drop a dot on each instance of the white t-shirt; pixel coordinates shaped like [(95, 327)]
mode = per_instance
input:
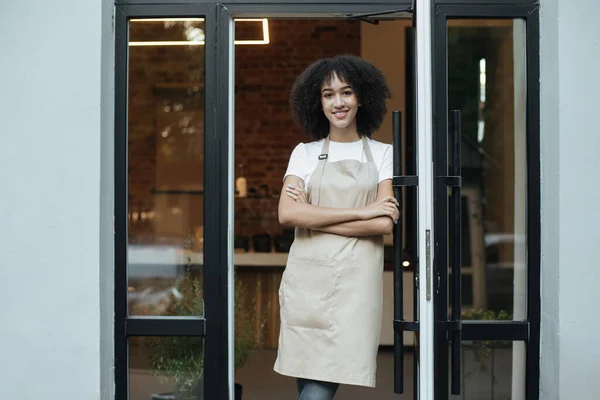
[(305, 157)]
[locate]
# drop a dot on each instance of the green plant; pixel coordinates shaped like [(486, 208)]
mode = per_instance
[(181, 359), (246, 336), (483, 348)]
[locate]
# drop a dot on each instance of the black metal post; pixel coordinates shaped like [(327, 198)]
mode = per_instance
[(455, 170), (398, 259)]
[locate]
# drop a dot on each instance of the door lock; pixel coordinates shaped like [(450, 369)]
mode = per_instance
[(428, 264), (417, 281)]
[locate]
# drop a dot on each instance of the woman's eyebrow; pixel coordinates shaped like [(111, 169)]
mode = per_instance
[(331, 90)]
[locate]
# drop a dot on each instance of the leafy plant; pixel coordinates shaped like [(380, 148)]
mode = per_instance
[(247, 336), (483, 348), (181, 359)]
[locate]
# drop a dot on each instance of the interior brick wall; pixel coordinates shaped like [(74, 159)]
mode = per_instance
[(151, 67), (265, 134)]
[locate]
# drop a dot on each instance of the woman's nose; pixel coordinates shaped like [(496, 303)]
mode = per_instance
[(339, 102)]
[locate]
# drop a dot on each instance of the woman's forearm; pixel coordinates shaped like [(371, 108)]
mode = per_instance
[(303, 215), (371, 227)]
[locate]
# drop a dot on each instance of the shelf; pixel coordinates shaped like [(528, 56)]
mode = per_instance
[(155, 255), (178, 192)]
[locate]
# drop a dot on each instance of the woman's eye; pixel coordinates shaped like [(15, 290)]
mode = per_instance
[(328, 95), (348, 93)]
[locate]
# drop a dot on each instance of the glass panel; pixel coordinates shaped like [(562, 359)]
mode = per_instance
[(166, 165), (492, 370), (166, 368), (486, 81)]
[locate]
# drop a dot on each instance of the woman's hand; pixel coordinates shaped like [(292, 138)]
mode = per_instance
[(297, 192), (388, 206), (295, 209)]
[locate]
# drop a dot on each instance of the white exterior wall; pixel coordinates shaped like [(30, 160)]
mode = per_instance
[(50, 230), (570, 105)]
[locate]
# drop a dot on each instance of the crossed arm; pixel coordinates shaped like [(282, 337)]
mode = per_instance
[(375, 219)]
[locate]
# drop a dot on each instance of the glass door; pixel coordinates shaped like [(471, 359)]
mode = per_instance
[(486, 202), (477, 275), (172, 266)]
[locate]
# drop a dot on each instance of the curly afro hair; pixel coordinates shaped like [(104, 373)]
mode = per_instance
[(367, 81)]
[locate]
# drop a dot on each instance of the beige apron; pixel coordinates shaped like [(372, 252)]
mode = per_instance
[(331, 290)]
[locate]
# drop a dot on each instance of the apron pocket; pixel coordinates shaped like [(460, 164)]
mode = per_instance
[(308, 292)]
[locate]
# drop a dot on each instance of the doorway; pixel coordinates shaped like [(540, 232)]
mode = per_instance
[(265, 136), (193, 237)]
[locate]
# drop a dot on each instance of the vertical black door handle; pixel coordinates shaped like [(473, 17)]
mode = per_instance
[(400, 325), (397, 260), (455, 256)]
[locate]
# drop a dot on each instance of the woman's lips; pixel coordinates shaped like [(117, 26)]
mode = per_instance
[(340, 114)]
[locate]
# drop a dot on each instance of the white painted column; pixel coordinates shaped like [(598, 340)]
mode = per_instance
[(520, 203), (425, 197), (53, 211)]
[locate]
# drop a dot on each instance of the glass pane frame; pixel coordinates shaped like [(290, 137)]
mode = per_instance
[(163, 366), (214, 325), (487, 370), (166, 125), (529, 329), (484, 57)]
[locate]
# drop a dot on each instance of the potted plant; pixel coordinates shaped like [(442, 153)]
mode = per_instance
[(180, 360)]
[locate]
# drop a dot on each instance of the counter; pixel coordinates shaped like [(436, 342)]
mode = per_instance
[(262, 270)]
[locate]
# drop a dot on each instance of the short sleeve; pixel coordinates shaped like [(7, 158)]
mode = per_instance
[(298, 163), (386, 170)]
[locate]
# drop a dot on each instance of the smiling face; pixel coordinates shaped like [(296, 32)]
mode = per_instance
[(340, 104)]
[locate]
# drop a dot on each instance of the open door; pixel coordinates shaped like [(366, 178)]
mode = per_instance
[(477, 178), (486, 202)]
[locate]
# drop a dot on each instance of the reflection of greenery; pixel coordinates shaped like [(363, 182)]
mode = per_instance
[(181, 359), (485, 315), (466, 46), (483, 348)]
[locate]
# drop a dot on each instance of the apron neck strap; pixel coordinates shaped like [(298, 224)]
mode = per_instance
[(320, 169), (367, 150), (324, 150)]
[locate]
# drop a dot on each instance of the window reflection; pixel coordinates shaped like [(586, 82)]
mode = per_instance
[(490, 371), (486, 82), (166, 368), (166, 167)]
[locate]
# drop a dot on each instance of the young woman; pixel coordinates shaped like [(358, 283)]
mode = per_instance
[(338, 194)]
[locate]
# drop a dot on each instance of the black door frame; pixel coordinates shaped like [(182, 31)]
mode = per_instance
[(528, 330), (214, 325)]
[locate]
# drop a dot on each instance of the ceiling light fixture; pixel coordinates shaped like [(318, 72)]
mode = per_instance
[(265, 39)]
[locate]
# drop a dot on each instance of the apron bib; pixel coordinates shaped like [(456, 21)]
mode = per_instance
[(331, 290)]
